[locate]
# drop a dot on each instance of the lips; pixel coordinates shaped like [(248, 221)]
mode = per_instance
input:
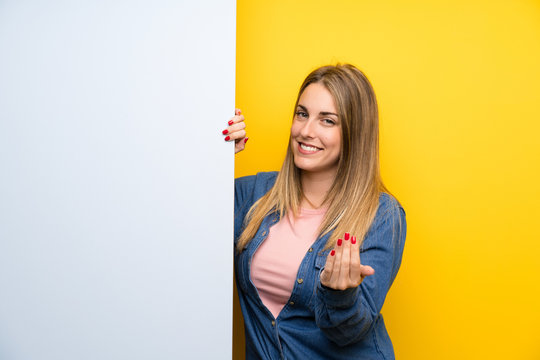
[(307, 148)]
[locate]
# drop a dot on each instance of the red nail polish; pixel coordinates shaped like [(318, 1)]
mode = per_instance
[(225, 132), (339, 241), (347, 236), (245, 140), (333, 252), (353, 240), (227, 138), (230, 122)]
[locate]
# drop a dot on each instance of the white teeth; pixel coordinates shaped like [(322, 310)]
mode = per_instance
[(308, 148)]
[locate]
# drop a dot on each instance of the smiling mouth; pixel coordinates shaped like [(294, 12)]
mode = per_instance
[(307, 149)]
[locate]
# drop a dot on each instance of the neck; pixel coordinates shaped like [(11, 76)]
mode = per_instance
[(315, 187)]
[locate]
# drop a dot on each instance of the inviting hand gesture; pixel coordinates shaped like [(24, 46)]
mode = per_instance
[(343, 269), (235, 131)]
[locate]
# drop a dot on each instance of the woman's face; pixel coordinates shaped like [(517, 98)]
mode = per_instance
[(316, 131)]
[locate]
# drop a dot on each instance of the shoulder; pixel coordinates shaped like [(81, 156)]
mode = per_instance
[(388, 203), (269, 176), (262, 181), (390, 214), (249, 189)]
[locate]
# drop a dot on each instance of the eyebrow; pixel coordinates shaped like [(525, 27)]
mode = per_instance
[(324, 113)]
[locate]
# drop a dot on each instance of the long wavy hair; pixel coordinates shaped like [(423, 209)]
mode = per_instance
[(353, 199)]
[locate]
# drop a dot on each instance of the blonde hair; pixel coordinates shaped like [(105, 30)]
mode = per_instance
[(353, 199)]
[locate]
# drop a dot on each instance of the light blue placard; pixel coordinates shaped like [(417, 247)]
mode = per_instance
[(116, 186)]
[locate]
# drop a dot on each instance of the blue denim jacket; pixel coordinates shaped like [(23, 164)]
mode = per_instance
[(318, 322)]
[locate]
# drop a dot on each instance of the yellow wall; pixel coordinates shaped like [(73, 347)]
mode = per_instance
[(458, 84)]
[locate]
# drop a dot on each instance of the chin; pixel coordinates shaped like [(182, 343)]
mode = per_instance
[(306, 167)]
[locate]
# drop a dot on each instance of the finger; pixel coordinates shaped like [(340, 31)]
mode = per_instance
[(355, 272), (241, 141), (236, 135), (334, 281), (237, 112), (344, 272), (326, 274), (240, 145), (236, 119), (234, 127), (367, 271)]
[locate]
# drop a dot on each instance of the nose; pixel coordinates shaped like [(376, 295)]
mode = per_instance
[(308, 128)]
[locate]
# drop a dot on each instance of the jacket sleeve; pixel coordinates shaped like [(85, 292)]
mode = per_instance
[(346, 316)]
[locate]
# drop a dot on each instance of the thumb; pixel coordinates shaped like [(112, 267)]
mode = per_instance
[(367, 270)]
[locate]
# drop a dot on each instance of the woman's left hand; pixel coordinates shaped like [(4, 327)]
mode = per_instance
[(343, 269)]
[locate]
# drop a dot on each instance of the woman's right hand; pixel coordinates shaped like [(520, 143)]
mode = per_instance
[(343, 269), (236, 131)]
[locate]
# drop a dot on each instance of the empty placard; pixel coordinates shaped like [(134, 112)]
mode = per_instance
[(116, 186)]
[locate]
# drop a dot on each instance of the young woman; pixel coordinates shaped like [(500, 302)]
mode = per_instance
[(303, 235)]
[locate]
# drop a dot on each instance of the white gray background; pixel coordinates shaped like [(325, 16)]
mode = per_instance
[(116, 187)]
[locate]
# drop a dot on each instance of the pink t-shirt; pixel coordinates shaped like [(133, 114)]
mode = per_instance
[(275, 263)]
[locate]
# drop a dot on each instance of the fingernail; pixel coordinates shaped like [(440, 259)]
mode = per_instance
[(353, 240), (245, 140), (230, 122), (227, 138), (333, 252), (347, 236), (339, 241), (225, 132)]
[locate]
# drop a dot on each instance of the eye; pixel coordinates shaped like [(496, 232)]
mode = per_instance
[(328, 122), (301, 114)]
